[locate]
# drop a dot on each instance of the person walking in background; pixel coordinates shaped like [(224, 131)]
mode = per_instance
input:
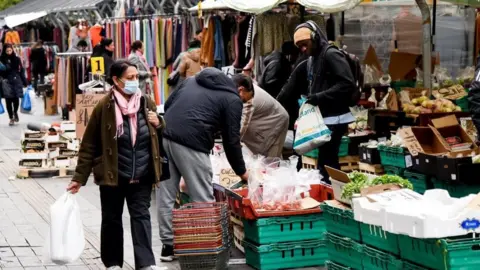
[(331, 85), (137, 58), (13, 81), (203, 105), (38, 60), (81, 46), (121, 146), (190, 63), (104, 49), (264, 120)]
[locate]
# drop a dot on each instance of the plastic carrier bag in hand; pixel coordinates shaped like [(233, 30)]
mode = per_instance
[(28, 100), (311, 130), (67, 241)]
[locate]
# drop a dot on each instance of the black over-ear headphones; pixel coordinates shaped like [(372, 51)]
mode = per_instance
[(310, 25)]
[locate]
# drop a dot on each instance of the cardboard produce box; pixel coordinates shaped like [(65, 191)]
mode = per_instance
[(425, 145), (449, 127)]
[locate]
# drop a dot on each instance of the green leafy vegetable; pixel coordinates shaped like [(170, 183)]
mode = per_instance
[(360, 181), (392, 179)]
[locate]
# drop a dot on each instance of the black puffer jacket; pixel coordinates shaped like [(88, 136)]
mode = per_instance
[(201, 106), (333, 83), (474, 98), (275, 74), (15, 75), (134, 162)]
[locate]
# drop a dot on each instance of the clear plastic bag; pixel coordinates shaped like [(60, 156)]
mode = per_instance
[(66, 240)]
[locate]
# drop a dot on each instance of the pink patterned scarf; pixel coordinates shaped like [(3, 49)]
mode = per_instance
[(129, 108)]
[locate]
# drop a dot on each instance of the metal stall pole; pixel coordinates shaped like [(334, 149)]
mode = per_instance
[(427, 44)]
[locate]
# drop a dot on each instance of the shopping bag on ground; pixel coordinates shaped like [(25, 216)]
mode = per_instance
[(311, 130), (27, 101), (67, 240)]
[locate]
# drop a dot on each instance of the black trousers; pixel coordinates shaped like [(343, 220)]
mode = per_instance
[(37, 76), (328, 153), (138, 198), (12, 106)]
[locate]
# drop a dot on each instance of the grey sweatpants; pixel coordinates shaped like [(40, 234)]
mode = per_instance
[(196, 169)]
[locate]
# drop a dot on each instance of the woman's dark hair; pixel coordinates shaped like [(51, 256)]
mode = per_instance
[(99, 49), (38, 44), (137, 44), (243, 80), (195, 44), (4, 50), (118, 68), (198, 31), (82, 43)]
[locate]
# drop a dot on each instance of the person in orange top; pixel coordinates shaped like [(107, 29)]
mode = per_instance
[(95, 34)]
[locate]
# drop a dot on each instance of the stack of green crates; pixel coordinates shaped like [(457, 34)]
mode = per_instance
[(285, 242), (420, 182), (343, 152), (393, 156)]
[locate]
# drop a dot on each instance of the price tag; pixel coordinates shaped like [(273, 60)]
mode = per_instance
[(98, 65), (410, 141), (228, 178)]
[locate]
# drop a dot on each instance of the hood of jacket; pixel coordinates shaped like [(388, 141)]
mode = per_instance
[(274, 56), (193, 55), (215, 79)]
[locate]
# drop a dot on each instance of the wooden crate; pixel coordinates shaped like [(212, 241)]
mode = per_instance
[(309, 163), (349, 163), (376, 169), (45, 172)]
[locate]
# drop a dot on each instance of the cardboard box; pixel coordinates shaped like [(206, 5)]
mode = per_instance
[(33, 144), (55, 145), (33, 135), (67, 126), (458, 166), (34, 155), (424, 144), (450, 127), (33, 163)]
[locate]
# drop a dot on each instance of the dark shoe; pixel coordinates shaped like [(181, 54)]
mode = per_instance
[(12, 122), (167, 253), (16, 118)]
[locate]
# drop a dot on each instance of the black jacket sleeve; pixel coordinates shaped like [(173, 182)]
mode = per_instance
[(338, 71), (231, 136), (474, 99), (296, 85)]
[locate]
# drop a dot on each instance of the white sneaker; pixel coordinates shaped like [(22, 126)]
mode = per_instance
[(114, 268), (153, 267)]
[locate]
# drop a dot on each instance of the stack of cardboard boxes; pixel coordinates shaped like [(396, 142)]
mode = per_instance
[(56, 148)]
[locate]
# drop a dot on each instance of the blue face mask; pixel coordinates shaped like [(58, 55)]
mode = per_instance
[(131, 87)]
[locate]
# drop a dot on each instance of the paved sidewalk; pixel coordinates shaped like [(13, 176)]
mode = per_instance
[(24, 211)]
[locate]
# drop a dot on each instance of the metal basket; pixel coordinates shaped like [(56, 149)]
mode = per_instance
[(205, 261)]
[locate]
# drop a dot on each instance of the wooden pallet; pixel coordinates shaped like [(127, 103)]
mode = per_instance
[(376, 169), (349, 163), (45, 173), (236, 219)]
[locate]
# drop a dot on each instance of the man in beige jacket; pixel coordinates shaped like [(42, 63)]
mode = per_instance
[(264, 121)]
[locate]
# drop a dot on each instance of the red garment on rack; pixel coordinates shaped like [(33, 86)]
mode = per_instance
[(95, 34)]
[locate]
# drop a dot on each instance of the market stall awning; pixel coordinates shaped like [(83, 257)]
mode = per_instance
[(248, 6), (19, 19), (53, 6)]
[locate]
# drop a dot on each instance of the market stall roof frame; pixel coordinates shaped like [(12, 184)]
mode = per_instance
[(52, 6)]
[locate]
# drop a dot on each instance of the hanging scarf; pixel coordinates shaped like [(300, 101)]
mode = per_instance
[(142, 59), (129, 108)]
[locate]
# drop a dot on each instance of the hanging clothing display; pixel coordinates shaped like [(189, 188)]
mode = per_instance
[(70, 72), (12, 37), (95, 34), (24, 51)]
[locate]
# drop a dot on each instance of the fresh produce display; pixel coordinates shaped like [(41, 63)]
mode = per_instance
[(453, 92), (359, 180), (424, 105)]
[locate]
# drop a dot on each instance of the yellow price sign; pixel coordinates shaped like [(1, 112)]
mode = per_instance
[(98, 65)]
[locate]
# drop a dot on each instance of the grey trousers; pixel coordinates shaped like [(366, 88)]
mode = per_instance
[(196, 169)]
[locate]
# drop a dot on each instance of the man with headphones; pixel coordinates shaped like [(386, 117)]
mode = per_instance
[(331, 85)]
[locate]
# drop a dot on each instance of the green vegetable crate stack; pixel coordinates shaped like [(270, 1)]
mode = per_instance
[(285, 242)]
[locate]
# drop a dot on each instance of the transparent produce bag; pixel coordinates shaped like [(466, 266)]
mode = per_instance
[(66, 240)]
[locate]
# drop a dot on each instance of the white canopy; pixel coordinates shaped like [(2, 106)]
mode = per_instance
[(19, 19), (329, 6), (248, 6)]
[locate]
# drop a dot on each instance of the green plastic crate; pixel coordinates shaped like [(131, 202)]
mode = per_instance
[(463, 103), (286, 255), (376, 237), (343, 152), (398, 85), (336, 266), (420, 182), (284, 229), (312, 154), (457, 253), (392, 156), (341, 222), (410, 266), (374, 259), (394, 170), (345, 250), (456, 190)]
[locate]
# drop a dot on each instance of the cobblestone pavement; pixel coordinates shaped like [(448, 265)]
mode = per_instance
[(24, 211)]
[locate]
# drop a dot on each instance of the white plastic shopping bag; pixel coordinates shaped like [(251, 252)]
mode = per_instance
[(311, 130), (66, 237)]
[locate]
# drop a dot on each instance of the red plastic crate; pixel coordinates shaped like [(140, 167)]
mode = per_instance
[(243, 207)]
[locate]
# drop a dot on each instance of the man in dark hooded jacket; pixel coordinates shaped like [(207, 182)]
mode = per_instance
[(201, 106), (331, 85), (474, 99)]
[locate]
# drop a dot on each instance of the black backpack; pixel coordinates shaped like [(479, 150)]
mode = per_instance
[(357, 72)]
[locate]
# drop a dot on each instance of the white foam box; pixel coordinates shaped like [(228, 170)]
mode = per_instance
[(33, 156), (64, 162), (33, 135), (67, 126)]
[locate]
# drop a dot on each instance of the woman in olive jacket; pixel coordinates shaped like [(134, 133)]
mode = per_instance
[(121, 145)]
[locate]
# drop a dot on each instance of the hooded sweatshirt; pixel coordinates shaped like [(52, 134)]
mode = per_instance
[(201, 106), (332, 80), (275, 74), (190, 64)]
